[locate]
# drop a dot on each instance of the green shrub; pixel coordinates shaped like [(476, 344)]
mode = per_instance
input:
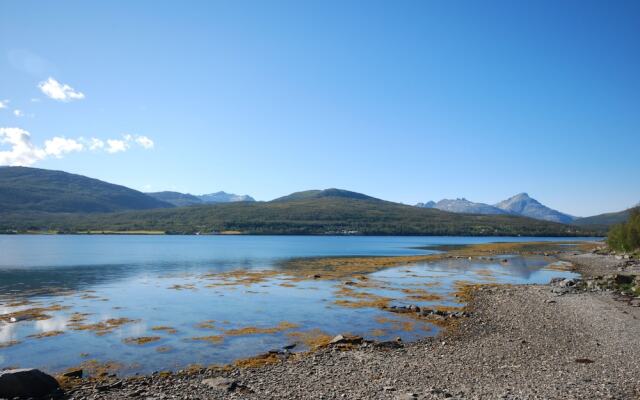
[(626, 236)]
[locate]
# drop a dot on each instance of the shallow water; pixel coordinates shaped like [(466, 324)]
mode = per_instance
[(216, 299)]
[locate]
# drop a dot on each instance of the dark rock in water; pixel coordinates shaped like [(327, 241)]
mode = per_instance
[(404, 309), (289, 346), (26, 383)]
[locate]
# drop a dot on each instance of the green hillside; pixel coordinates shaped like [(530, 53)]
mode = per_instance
[(39, 190), (603, 221), (319, 194), (323, 212)]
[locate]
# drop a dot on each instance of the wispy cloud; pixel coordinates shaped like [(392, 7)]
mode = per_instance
[(58, 91), (145, 142), (18, 113), (4, 104), (95, 144), (23, 152)]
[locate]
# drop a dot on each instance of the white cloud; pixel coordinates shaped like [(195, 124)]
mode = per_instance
[(58, 91), (4, 104), (23, 152), (116, 146), (145, 142), (35, 100), (58, 146), (18, 113)]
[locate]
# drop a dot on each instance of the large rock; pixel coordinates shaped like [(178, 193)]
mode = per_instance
[(221, 383), (347, 339), (26, 383)]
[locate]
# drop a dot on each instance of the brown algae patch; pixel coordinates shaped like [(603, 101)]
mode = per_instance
[(241, 277), (97, 368), (166, 329), (9, 343), (141, 340), (103, 327), (77, 317), (208, 324), (164, 349), (252, 330), (20, 303), (337, 268), (185, 286), (381, 302), (215, 339), (258, 361), (360, 299), (32, 314), (45, 334), (313, 339), (421, 295), (396, 324)]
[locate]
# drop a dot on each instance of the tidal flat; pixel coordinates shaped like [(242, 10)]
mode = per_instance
[(151, 315)]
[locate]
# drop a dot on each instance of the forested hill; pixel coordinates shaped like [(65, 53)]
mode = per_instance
[(31, 190)]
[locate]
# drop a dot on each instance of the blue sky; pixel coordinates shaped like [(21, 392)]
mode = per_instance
[(408, 101)]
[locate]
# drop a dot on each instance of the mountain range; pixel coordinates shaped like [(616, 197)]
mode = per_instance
[(521, 204), (33, 199), (186, 199)]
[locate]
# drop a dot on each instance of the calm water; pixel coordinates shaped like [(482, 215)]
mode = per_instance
[(88, 297)]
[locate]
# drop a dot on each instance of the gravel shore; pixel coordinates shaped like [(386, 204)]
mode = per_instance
[(520, 342)]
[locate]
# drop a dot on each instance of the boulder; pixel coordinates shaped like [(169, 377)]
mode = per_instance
[(347, 339), (224, 384), (26, 383), (73, 373)]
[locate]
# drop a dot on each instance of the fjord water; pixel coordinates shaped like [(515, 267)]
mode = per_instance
[(189, 296)]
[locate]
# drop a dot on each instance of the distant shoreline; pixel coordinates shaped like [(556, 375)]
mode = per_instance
[(162, 233)]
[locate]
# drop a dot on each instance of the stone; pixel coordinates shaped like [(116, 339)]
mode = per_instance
[(405, 396), (388, 345), (623, 279), (26, 383), (567, 283), (342, 339), (555, 281), (221, 383), (73, 373)]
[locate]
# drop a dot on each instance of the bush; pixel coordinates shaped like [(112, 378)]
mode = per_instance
[(626, 236)]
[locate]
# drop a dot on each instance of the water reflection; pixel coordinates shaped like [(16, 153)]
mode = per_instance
[(176, 312)]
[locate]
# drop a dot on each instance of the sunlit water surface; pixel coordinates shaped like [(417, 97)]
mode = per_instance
[(215, 299)]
